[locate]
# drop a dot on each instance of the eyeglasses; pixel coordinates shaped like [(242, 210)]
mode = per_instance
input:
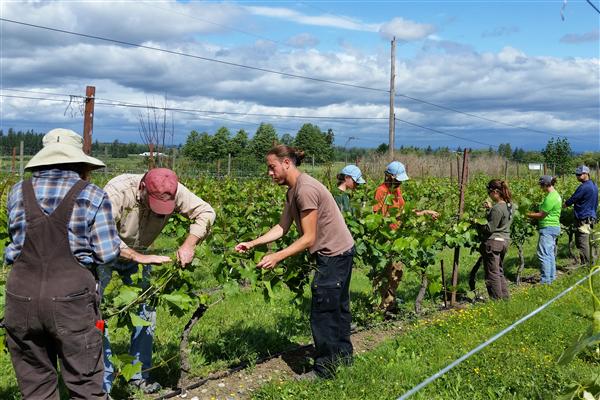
[(578, 174)]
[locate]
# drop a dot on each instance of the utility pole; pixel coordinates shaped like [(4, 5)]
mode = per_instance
[(392, 95), (345, 147), (88, 119)]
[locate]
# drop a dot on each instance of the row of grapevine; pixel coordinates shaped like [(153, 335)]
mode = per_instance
[(246, 209)]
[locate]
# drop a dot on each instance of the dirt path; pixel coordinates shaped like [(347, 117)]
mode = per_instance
[(240, 385)]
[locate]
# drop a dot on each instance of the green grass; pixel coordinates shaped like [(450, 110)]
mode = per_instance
[(244, 328), (521, 365)]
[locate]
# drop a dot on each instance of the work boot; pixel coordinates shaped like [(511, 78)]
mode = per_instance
[(146, 386), (307, 377)]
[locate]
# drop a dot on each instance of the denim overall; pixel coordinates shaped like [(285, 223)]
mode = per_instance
[(52, 307)]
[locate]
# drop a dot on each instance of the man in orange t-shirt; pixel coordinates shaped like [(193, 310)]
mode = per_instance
[(395, 174)]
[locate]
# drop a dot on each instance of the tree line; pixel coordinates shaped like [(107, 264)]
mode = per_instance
[(203, 147)]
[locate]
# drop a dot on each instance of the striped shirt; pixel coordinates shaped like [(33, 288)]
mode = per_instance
[(92, 232)]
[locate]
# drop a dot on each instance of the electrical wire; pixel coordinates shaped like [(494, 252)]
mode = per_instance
[(473, 115), (178, 53), (225, 112), (147, 3), (118, 103), (41, 92), (276, 72), (445, 133), (34, 98), (592, 4)]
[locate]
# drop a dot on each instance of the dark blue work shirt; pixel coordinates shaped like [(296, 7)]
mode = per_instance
[(585, 200)]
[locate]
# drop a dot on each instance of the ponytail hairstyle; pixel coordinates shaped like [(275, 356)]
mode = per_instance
[(282, 151), (502, 188), (341, 178)]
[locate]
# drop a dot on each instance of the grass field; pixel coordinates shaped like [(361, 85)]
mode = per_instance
[(521, 365), (244, 328)]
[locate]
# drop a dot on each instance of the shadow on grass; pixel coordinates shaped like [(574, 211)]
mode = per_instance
[(10, 393)]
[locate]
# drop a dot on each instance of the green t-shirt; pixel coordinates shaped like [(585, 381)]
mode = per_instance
[(552, 205), (342, 199)]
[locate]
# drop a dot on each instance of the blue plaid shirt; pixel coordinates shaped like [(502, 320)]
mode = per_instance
[(93, 235)]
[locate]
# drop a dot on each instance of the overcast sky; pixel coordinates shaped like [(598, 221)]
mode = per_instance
[(527, 72)]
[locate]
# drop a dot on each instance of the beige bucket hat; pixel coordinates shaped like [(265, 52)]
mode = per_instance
[(62, 146)]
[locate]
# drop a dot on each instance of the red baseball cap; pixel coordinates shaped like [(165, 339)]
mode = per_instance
[(161, 186)]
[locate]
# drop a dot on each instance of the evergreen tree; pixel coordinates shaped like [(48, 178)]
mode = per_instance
[(504, 150), (315, 143), (219, 146), (239, 143), (264, 139), (287, 139), (558, 155), (383, 148)]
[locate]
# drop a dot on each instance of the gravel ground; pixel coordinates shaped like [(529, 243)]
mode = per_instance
[(241, 384)]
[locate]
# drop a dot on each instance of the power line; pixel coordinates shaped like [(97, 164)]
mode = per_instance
[(592, 4), (217, 24), (34, 98), (173, 52), (275, 72), (183, 111), (445, 133), (474, 115), (41, 92), (119, 103), (281, 127), (261, 37)]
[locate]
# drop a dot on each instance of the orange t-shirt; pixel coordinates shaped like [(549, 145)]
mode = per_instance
[(382, 192)]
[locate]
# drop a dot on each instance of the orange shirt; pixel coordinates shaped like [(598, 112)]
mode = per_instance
[(382, 192)]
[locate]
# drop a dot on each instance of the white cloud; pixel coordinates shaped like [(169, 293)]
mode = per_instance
[(574, 38), (303, 40), (130, 21), (405, 30), (500, 31), (558, 95), (326, 20)]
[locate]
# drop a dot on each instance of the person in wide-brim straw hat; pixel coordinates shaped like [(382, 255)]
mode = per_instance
[(62, 146), (61, 230)]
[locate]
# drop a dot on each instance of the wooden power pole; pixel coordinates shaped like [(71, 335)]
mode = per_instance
[(392, 95), (88, 119)]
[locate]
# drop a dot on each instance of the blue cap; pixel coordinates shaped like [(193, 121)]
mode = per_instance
[(582, 169), (397, 170), (354, 172), (546, 180)]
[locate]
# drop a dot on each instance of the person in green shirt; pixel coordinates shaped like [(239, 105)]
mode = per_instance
[(549, 228), (348, 179)]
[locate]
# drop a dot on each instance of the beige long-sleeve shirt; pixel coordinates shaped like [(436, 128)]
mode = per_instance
[(138, 226)]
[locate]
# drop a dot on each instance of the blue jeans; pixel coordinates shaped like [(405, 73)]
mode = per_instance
[(545, 252), (142, 336)]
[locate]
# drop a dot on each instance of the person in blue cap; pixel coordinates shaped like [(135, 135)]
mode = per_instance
[(348, 179), (395, 174), (585, 204)]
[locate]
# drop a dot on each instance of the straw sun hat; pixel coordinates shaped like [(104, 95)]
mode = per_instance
[(62, 146)]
